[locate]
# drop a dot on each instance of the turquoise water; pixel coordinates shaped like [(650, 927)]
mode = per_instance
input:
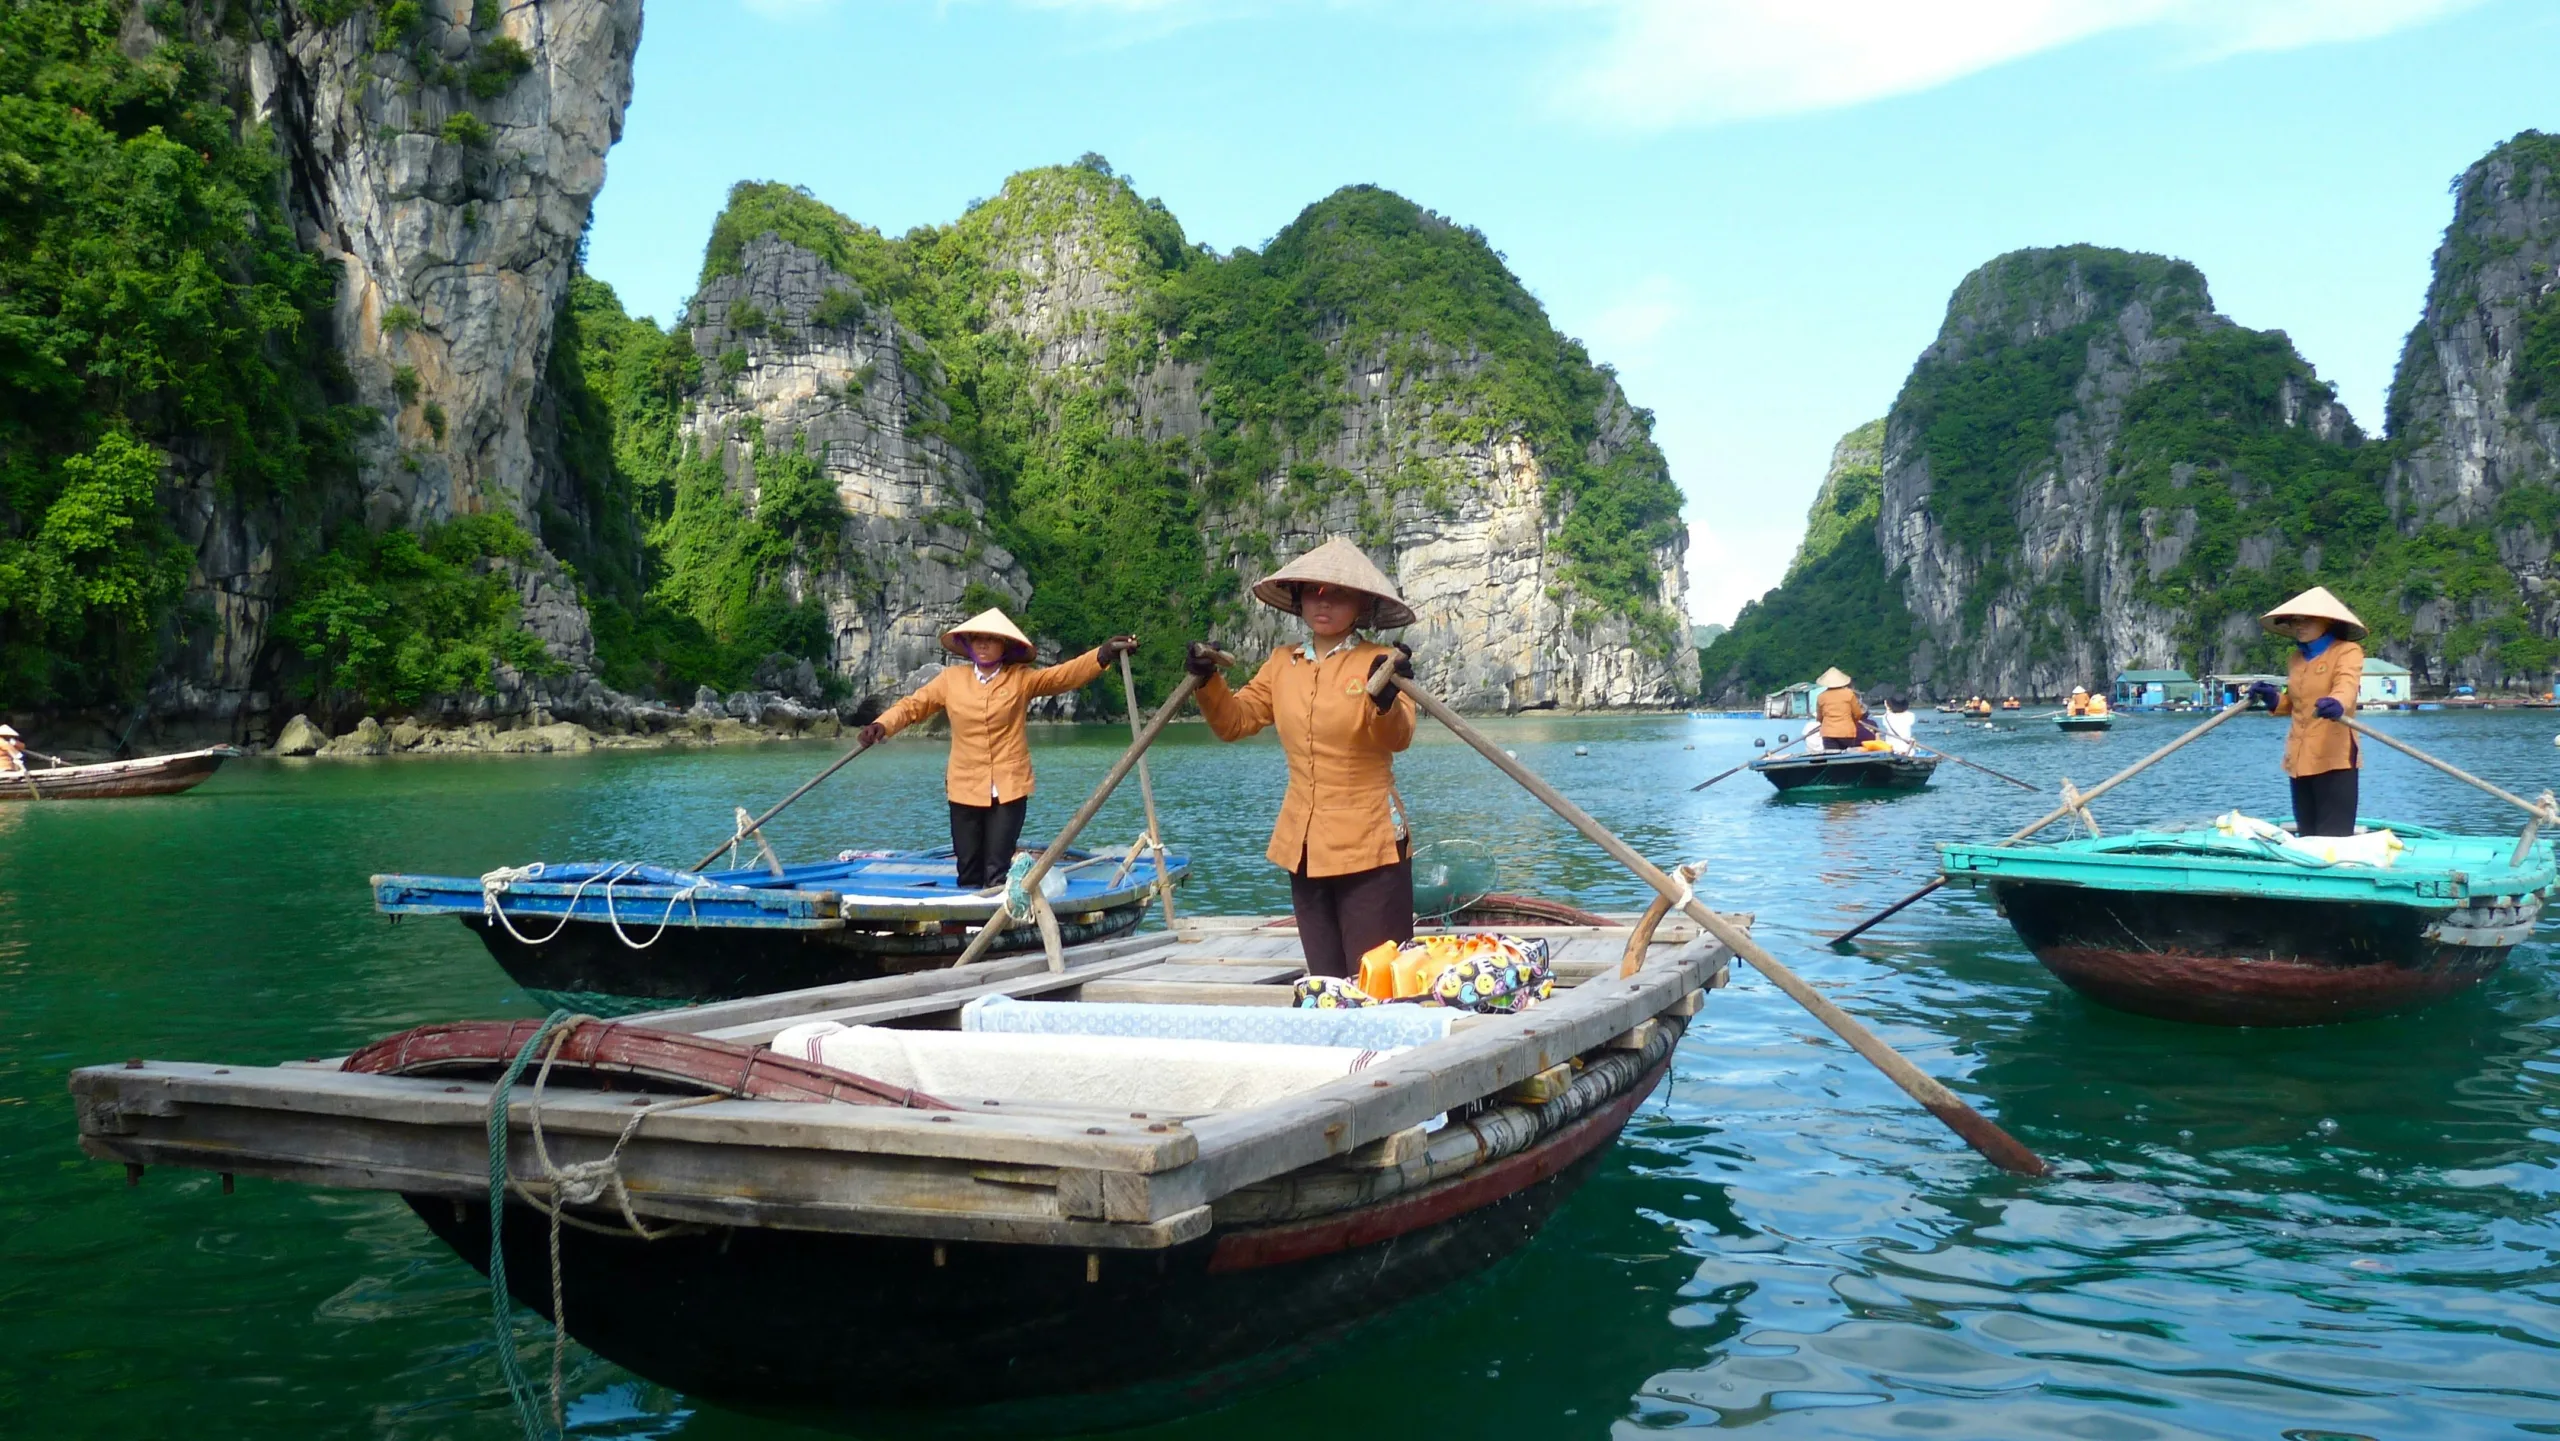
[(2257, 1234)]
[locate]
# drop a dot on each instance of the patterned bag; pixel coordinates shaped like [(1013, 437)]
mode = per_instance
[(1482, 973)]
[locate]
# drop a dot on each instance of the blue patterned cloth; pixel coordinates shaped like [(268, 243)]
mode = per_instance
[(1378, 1029)]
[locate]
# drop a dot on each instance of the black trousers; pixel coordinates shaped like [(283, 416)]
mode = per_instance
[(983, 838), (1339, 917), (2325, 804)]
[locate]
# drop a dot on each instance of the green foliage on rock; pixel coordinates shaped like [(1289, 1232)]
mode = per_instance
[(684, 585), (1842, 609), (387, 621), (1853, 491), (151, 297)]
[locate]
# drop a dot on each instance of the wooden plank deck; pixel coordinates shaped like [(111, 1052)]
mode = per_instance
[(1054, 1175)]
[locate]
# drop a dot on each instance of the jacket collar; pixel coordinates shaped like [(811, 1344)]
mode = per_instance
[(1307, 648), (2311, 649)]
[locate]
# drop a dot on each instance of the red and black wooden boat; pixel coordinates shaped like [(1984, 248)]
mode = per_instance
[(854, 1249)]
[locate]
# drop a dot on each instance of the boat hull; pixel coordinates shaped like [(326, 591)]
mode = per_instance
[(117, 780), (846, 1330), (1847, 771), (2083, 722), (2251, 961), (587, 967)]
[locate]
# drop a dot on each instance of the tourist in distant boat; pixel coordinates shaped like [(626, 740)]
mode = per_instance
[(2320, 753), (2077, 703), (1340, 834), (13, 751), (2097, 705), (1843, 715), (1895, 725), (988, 779)]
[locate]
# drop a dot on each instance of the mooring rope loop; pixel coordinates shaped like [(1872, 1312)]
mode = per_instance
[(494, 884)]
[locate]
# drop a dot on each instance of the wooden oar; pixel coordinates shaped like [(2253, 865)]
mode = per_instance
[(1942, 754), (2082, 803), (1746, 765), (1147, 793), (2457, 772), (1085, 813), (751, 827), (1996, 1145)]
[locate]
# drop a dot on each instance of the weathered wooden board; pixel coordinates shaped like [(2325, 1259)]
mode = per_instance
[(700, 1019), (876, 1013), (1229, 974)]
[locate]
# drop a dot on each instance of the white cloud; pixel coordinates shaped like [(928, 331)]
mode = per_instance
[(1675, 62)]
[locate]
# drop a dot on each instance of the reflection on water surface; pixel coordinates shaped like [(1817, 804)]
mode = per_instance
[(2348, 1230)]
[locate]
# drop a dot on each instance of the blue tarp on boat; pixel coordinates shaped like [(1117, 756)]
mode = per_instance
[(887, 886)]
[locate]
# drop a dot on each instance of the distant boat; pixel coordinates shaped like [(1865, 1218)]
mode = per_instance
[(1834, 772), (2084, 722), (2203, 926), (115, 780)]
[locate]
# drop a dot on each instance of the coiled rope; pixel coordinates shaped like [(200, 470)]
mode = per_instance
[(577, 1184)]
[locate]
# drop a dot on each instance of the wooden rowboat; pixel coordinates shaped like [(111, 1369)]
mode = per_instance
[(608, 938), (859, 1252), (113, 780), (2199, 926), (1829, 773)]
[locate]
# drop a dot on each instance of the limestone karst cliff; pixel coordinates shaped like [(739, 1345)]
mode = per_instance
[(391, 452), (343, 231), (2090, 471), (1057, 395)]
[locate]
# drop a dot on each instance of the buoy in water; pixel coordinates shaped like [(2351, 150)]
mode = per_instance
[(1758, 744), (1582, 750)]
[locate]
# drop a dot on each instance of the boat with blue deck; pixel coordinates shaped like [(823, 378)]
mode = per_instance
[(2238, 923), (615, 937)]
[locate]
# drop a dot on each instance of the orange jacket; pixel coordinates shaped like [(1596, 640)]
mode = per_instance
[(990, 751), (1341, 751), (1839, 710), (2315, 746)]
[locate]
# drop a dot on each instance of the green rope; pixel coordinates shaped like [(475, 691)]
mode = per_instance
[(520, 1388)]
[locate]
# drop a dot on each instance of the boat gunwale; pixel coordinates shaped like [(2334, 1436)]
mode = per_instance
[(2115, 863)]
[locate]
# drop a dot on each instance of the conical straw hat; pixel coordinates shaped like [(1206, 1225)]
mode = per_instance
[(1337, 562), (2317, 604), (1831, 678), (2079, 690), (990, 621)]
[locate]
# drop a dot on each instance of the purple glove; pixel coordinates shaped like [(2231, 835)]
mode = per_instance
[(2265, 694), (2327, 708)]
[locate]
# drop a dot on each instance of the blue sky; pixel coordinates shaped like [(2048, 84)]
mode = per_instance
[(1756, 211)]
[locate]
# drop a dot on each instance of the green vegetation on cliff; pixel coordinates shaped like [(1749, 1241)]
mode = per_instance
[(1841, 609), (1109, 524), (151, 299), (1853, 491), (684, 587)]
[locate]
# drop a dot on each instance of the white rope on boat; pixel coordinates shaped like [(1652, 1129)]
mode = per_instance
[(492, 883), (665, 919)]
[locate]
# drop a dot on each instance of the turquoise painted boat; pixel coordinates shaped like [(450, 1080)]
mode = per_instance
[(2199, 925)]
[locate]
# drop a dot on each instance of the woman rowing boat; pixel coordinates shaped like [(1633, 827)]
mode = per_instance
[(1349, 859), (988, 778), (2320, 753)]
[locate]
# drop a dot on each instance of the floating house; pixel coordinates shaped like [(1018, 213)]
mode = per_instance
[(2222, 690), (2385, 683), (1793, 703), (2156, 689)]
